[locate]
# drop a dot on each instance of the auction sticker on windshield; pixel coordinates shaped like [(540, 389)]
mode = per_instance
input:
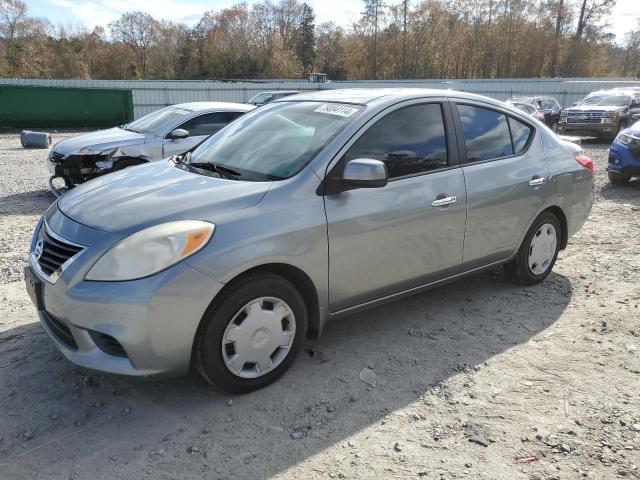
[(333, 109)]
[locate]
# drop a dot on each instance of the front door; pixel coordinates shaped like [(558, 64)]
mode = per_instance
[(410, 232)]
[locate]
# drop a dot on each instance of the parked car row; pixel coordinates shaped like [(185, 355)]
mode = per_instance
[(226, 255), (611, 113)]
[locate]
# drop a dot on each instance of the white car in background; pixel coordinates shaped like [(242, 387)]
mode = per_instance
[(169, 131)]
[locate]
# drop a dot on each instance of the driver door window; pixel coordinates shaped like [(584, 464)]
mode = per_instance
[(409, 141), (208, 124)]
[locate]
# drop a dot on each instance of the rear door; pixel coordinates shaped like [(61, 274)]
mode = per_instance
[(200, 128), (506, 179), (389, 239)]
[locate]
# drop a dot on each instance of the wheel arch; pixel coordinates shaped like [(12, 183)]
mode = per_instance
[(300, 280), (564, 234)]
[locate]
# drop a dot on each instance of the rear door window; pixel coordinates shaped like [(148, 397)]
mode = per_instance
[(410, 141), (486, 133)]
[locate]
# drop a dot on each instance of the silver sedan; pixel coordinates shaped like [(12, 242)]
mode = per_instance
[(169, 131), (300, 212)]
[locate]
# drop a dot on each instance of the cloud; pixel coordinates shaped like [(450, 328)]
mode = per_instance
[(101, 12)]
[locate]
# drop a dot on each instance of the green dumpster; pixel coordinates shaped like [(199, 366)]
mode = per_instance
[(24, 106)]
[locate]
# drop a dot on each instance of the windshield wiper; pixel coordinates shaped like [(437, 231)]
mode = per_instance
[(224, 172)]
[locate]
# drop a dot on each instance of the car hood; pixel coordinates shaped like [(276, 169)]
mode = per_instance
[(99, 141), (153, 193), (594, 108), (633, 129)]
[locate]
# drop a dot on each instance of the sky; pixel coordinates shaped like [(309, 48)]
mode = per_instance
[(90, 13)]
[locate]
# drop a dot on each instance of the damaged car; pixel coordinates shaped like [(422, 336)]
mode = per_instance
[(169, 131)]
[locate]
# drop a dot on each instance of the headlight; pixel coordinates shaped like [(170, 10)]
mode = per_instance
[(151, 250), (86, 151), (623, 138)]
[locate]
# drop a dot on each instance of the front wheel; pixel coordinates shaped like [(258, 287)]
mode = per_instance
[(538, 252), (251, 335)]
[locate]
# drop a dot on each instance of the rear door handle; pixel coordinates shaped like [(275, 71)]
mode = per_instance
[(535, 181), (444, 201)]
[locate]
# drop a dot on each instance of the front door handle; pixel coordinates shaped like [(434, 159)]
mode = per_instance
[(444, 201), (535, 181)]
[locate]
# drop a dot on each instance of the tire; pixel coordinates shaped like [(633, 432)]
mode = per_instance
[(554, 127), (543, 253), (617, 178), (214, 350)]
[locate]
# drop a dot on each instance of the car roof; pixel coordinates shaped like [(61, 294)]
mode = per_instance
[(532, 97), (273, 92), (369, 96), (613, 91), (215, 106), (631, 89)]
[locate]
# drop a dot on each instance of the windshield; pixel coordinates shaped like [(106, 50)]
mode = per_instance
[(261, 98), (276, 141), (606, 100), (546, 105), (157, 119)]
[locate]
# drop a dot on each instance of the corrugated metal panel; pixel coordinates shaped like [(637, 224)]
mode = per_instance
[(149, 95)]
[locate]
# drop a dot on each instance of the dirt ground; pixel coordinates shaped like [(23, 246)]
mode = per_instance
[(480, 379)]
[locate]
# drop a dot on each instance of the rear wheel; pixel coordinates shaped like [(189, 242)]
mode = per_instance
[(617, 178), (251, 335), (538, 252)]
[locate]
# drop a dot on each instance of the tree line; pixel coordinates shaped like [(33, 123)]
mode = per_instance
[(392, 39)]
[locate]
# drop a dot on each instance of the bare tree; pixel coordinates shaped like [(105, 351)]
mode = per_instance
[(139, 31), (13, 13)]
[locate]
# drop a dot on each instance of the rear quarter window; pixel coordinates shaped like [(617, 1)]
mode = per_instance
[(520, 133)]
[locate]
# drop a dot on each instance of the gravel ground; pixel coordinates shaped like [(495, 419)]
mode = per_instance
[(480, 379)]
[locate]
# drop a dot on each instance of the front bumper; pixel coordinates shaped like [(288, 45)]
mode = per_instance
[(623, 160), (140, 327), (588, 128)]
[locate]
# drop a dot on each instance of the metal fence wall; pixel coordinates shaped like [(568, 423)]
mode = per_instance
[(149, 95)]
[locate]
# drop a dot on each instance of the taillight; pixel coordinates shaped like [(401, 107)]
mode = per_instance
[(587, 163)]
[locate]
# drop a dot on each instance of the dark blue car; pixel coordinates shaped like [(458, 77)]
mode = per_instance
[(624, 155)]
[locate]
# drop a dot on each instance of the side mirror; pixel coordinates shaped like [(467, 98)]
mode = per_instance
[(358, 173), (177, 134), (364, 173)]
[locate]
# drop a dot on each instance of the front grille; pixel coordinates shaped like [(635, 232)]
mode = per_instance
[(586, 117), (589, 120), (107, 344), (55, 252), (60, 330)]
